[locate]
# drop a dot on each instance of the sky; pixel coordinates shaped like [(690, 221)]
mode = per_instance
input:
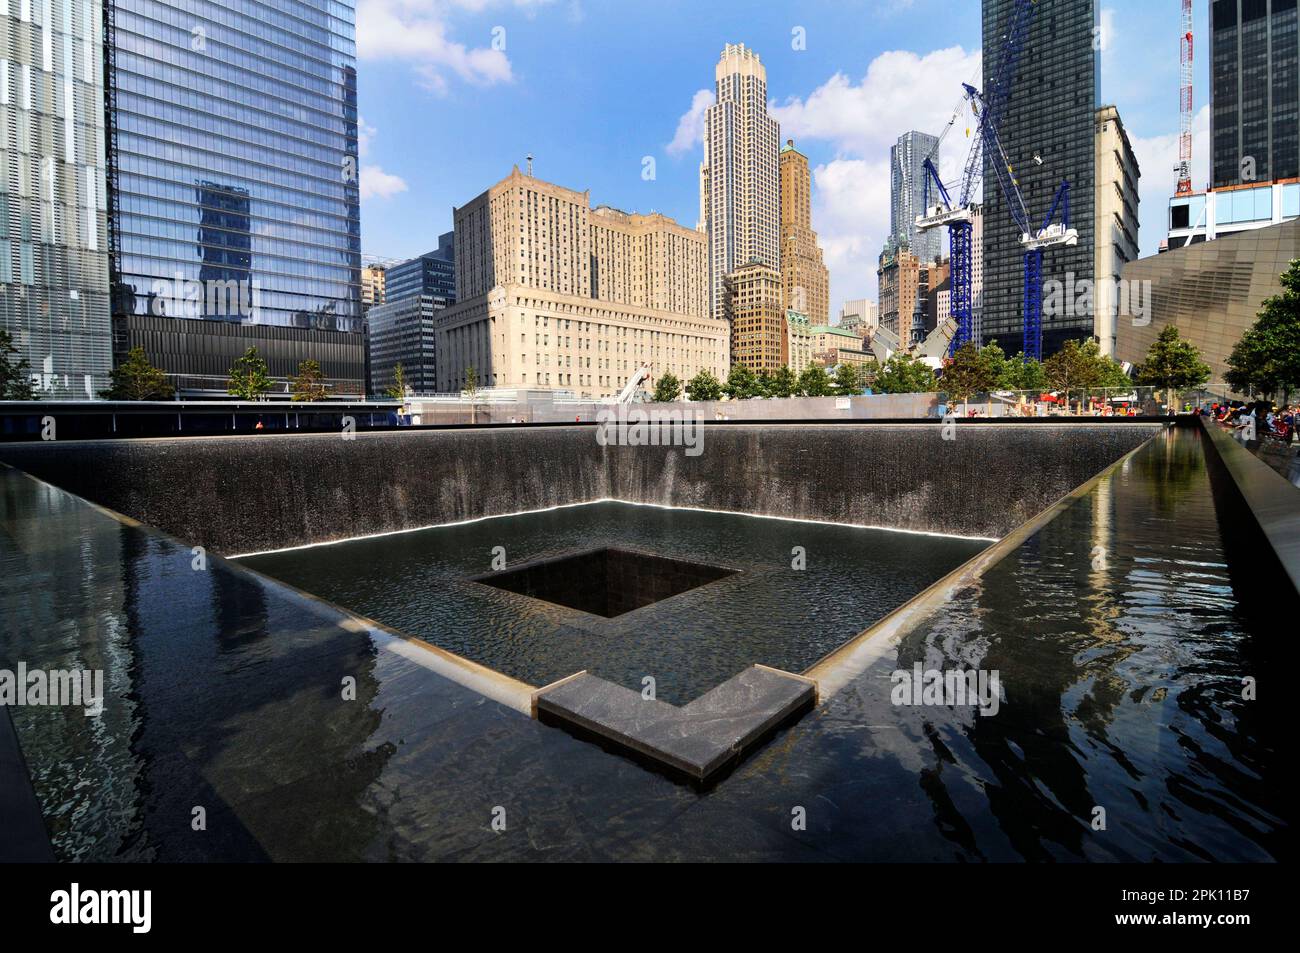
[(608, 95)]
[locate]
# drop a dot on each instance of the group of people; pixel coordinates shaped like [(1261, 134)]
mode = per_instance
[(1267, 419)]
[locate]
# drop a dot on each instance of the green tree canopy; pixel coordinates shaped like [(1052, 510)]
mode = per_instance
[(741, 383), (848, 380), (667, 389), (815, 382), (703, 386), (397, 389), (1080, 366), (904, 374), (15, 377), (310, 382), (1172, 363), (1267, 358), (1023, 374), (249, 378), (136, 379), (967, 372), (784, 382)]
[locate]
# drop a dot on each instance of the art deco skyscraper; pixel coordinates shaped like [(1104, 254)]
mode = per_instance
[(803, 274), (740, 188), (53, 244)]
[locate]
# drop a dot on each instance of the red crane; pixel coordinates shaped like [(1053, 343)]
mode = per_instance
[(1185, 105)]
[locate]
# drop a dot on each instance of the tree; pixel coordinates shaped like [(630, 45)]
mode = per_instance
[(848, 381), (1172, 363), (15, 379), (815, 382), (967, 372), (1073, 366), (763, 383), (784, 382), (1111, 375), (703, 386), (397, 390), (996, 368), (668, 389), (249, 378), (471, 382), (1267, 358), (310, 383), (1022, 374), (136, 379), (904, 374), (741, 383)]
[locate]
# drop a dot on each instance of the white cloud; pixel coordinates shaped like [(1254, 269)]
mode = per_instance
[(417, 31), (900, 91), (378, 184), (851, 217), (365, 133), (1158, 159), (1107, 34), (690, 128)]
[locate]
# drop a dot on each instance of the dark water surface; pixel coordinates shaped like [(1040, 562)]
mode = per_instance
[(1122, 632), (768, 612)]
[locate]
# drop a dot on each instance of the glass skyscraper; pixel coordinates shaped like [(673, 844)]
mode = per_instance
[(1255, 91), (907, 195), (53, 246), (433, 273), (233, 149)]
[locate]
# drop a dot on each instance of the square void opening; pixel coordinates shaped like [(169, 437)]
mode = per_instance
[(605, 582)]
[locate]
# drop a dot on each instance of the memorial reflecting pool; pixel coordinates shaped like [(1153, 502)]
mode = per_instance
[(1122, 631)]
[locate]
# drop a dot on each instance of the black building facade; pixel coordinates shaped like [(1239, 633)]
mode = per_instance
[(1255, 91), (1047, 131)]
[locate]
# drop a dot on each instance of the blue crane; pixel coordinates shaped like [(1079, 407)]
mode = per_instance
[(987, 109)]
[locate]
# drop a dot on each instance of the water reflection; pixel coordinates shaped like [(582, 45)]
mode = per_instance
[(1122, 677)]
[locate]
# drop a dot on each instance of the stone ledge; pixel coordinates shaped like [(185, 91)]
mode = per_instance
[(698, 742), (23, 838), (1272, 503)]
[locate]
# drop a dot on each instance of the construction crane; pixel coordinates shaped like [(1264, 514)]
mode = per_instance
[(1185, 105), (988, 109), (958, 215)]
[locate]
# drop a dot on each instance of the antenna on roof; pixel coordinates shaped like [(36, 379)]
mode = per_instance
[(529, 157)]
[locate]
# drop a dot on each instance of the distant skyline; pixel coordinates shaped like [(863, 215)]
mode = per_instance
[(454, 92)]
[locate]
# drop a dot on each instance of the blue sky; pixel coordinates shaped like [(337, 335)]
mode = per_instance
[(454, 92)]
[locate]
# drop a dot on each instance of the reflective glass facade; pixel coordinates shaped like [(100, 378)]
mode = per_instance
[(235, 133), (53, 241), (907, 195), (433, 273), (1255, 94)]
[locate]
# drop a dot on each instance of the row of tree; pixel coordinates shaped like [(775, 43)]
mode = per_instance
[(1265, 361), (249, 379), (1171, 364)]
